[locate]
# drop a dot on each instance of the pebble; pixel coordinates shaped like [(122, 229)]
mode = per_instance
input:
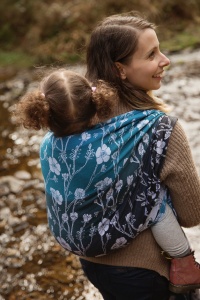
[(23, 175)]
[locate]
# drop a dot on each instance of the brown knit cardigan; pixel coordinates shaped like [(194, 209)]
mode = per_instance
[(180, 175)]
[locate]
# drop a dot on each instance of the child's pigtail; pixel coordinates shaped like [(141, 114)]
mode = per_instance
[(32, 111), (104, 98)]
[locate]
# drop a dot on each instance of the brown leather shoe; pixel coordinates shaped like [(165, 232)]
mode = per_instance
[(184, 274)]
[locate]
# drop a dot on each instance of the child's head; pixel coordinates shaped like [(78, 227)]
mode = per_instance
[(124, 50), (65, 104)]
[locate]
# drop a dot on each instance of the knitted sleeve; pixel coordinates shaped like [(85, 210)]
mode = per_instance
[(180, 175)]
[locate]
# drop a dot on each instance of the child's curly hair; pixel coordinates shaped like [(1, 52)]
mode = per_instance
[(65, 104)]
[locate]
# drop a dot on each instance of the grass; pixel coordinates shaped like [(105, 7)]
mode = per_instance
[(182, 40), (17, 59), (20, 60)]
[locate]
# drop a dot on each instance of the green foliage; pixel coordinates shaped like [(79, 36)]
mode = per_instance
[(51, 30), (16, 59), (6, 34), (181, 41)]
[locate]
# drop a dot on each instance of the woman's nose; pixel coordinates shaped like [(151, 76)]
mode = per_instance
[(164, 60)]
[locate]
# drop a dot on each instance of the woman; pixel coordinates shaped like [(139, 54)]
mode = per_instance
[(124, 51), (102, 165)]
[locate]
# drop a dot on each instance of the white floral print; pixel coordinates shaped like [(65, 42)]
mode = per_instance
[(57, 196), (87, 217), (160, 146), (141, 149), (103, 226), (54, 166), (65, 217), (120, 242), (79, 194), (85, 136), (109, 194), (142, 124), (101, 185), (103, 154), (74, 216), (119, 185), (146, 138), (99, 189), (130, 218)]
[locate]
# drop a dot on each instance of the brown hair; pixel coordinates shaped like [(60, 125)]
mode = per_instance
[(65, 104), (115, 39)]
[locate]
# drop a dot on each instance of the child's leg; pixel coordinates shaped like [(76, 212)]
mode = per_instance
[(184, 270), (170, 236)]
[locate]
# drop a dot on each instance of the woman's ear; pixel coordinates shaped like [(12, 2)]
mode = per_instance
[(121, 70)]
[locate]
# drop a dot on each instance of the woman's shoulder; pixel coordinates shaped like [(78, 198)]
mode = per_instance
[(178, 137), (178, 149), (180, 174)]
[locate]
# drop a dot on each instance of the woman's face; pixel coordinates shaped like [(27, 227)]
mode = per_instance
[(146, 68)]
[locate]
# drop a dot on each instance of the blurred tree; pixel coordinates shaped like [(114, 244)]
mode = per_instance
[(50, 30)]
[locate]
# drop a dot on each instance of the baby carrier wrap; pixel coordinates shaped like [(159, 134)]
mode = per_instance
[(102, 186)]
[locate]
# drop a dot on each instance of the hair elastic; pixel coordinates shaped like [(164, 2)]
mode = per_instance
[(93, 88), (43, 95)]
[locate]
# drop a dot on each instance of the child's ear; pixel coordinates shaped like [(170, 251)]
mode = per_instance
[(121, 70)]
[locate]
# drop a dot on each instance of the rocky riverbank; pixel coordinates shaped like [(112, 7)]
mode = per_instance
[(32, 265)]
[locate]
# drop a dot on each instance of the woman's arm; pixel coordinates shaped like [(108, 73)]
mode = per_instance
[(180, 175)]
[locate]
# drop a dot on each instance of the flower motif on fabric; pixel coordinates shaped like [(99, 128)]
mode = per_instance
[(141, 149), (54, 165), (160, 146), (167, 134), (85, 136), (103, 154), (100, 191), (101, 185), (142, 124), (119, 185), (87, 217), (109, 194), (120, 242), (65, 217), (62, 155), (74, 216), (79, 194), (130, 218), (103, 226), (146, 138), (115, 219), (90, 152), (56, 196)]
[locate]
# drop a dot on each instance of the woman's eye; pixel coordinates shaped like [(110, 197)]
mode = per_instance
[(152, 54)]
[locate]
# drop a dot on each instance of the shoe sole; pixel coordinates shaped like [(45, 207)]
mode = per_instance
[(181, 289)]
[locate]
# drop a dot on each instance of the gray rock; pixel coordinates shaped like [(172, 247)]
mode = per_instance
[(12, 184), (23, 175)]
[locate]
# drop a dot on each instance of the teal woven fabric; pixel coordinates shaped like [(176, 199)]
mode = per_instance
[(102, 185)]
